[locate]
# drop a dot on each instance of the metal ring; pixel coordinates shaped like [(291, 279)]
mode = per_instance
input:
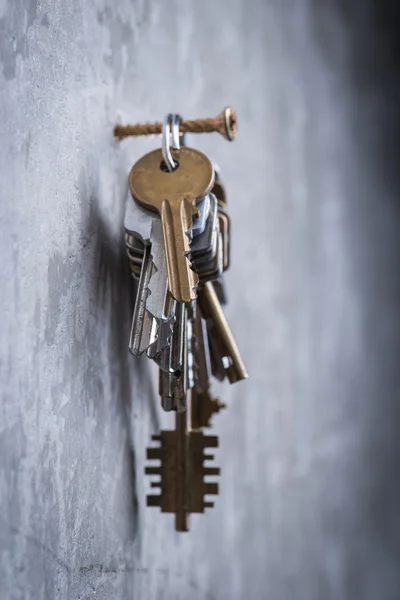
[(171, 138), (165, 146)]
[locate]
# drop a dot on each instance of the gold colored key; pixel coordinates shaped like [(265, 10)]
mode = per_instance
[(220, 336), (174, 196)]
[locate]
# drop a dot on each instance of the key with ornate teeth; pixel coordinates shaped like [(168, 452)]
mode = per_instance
[(174, 195), (181, 472)]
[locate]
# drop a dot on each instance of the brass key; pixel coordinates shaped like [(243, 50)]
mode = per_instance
[(222, 342), (174, 196)]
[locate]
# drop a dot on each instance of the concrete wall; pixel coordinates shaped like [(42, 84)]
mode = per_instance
[(308, 507)]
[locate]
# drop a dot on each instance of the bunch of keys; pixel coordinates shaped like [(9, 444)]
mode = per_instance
[(177, 232)]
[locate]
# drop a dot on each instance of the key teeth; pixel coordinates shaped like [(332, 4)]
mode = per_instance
[(152, 285), (187, 254), (153, 500), (211, 489), (208, 457), (211, 441), (152, 471), (211, 471), (154, 453), (196, 487)]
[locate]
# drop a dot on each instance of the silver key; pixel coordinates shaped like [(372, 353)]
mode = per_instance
[(199, 224), (146, 225), (144, 326), (204, 246), (173, 377)]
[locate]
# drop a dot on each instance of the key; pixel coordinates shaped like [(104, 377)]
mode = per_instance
[(224, 226), (211, 269), (144, 326), (147, 226), (165, 330), (181, 471), (218, 187), (172, 391), (174, 196), (203, 406), (189, 345), (134, 251), (199, 224), (201, 354), (224, 222), (173, 363), (204, 246), (134, 244), (144, 226), (171, 358), (207, 249), (222, 342)]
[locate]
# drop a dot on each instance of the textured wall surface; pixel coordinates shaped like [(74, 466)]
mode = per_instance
[(308, 507)]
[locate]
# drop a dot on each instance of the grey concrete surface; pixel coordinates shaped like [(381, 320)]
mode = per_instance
[(308, 507)]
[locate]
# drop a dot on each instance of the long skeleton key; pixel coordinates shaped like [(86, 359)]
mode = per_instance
[(182, 472), (174, 195)]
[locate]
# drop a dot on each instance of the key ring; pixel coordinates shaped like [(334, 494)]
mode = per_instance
[(171, 138)]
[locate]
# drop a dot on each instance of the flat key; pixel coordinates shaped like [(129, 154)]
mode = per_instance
[(174, 196), (212, 311), (201, 354), (204, 246), (144, 327), (171, 359), (147, 227)]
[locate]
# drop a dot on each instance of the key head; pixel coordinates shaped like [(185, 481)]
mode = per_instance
[(151, 185)]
